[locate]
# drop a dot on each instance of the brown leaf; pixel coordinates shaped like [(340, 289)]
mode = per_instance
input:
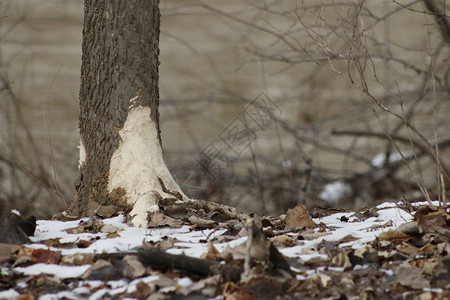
[(232, 292), (407, 248), (132, 267), (282, 241), (312, 235), (341, 260), (6, 250), (200, 222), (211, 253), (412, 277), (158, 219), (430, 219), (52, 242), (143, 290), (320, 280), (299, 217), (112, 235), (379, 226), (45, 256), (165, 243), (75, 230), (393, 235), (108, 228), (77, 259), (83, 244), (429, 265)]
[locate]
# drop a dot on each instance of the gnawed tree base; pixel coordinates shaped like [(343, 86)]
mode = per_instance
[(140, 184), (137, 166)]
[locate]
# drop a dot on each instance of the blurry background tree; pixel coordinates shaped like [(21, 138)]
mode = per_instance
[(357, 82)]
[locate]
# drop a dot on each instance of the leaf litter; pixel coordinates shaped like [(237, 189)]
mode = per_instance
[(380, 252)]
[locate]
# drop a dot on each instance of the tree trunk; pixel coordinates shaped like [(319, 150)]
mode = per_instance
[(121, 163)]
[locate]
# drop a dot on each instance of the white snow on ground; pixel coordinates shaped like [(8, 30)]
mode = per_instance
[(8, 294), (363, 231), (191, 243), (130, 237), (55, 270)]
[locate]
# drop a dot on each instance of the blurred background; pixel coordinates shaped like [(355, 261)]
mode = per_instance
[(354, 98)]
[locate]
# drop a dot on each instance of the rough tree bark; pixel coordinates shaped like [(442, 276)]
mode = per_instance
[(121, 163)]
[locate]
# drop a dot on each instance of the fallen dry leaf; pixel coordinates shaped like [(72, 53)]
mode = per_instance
[(211, 253), (341, 260), (322, 280), (6, 250), (429, 265), (312, 235), (428, 249), (52, 242), (431, 220), (77, 259), (298, 217), (143, 290), (158, 219), (200, 222), (282, 241), (112, 235), (108, 228), (412, 277), (132, 268), (45, 256), (379, 226), (164, 243), (83, 244), (407, 249), (232, 292), (393, 236)]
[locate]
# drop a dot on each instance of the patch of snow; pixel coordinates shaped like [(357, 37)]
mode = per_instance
[(5, 271), (100, 294), (21, 285), (138, 163), (387, 204), (335, 191), (60, 295), (300, 277), (185, 281), (81, 290), (59, 271), (221, 247), (9, 294), (336, 269)]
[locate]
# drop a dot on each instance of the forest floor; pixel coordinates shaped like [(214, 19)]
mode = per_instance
[(391, 251)]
